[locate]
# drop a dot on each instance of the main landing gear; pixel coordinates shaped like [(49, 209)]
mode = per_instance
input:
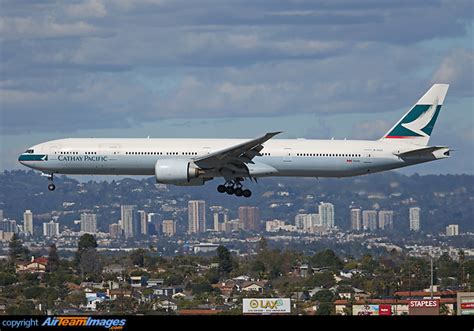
[(234, 187), (51, 185)]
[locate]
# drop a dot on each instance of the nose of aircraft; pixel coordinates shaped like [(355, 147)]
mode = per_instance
[(21, 159)]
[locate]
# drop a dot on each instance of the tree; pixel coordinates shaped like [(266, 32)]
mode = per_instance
[(16, 250), (138, 257), (324, 296), (174, 279), (34, 292), (225, 260), (86, 241), (7, 278), (368, 263), (326, 258), (322, 279), (77, 298), (262, 244), (90, 264), (468, 268), (53, 259), (201, 287)]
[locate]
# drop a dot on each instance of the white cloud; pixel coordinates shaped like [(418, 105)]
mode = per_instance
[(12, 28), (86, 9), (457, 69)]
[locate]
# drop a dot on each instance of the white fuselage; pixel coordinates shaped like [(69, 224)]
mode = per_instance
[(280, 157)]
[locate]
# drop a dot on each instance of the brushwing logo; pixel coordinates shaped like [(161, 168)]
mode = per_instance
[(422, 121), (419, 122)]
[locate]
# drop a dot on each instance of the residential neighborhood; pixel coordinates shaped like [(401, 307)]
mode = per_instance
[(142, 282)]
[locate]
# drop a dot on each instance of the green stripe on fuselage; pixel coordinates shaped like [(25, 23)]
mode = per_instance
[(33, 157)]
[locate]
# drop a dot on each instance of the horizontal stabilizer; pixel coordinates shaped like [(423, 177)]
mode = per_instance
[(420, 152)]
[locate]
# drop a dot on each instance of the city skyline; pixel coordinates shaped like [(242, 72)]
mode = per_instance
[(135, 221)]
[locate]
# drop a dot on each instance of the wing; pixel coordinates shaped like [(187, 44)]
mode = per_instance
[(234, 159)]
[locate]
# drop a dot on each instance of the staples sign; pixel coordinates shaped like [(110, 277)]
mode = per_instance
[(423, 307)]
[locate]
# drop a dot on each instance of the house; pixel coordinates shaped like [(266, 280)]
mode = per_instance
[(167, 290), (114, 269), (348, 273), (154, 282), (302, 270), (35, 265), (226, 287), (138, 281), (91, 285), (167, 305), (179, 295), (360, 294), (258, 286), (241, 278), (114, 294), (315, 290), (93, 299)]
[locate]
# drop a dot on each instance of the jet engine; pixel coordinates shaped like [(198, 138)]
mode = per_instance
[(177, 172)]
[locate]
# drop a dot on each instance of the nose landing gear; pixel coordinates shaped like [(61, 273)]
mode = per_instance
[(234, 187), (51, 185)]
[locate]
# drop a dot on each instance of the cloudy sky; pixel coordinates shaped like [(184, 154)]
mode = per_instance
[(211, 68)]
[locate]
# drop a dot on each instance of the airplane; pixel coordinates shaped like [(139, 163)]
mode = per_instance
[(190, 162)]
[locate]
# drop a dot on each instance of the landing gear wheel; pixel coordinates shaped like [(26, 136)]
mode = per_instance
[(230, 190), (51, 187), (239, 192), (247, 193), (221, 189)]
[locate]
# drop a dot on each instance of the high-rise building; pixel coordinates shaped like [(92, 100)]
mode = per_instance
[(89, 223), (8, 226), (415, 219), (196, 216), (307, 222), (220, 218), (169, 228), (369, 220), (1, 215), (326, 214), (154, 223), (452, 230), (28, 222), (299, 222), (249, 217), (51, 229), (115, 230), (143, 220), (356, 219), (386, 219), (130, 221)]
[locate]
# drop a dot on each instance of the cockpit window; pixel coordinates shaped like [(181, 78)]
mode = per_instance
[(29, 151)]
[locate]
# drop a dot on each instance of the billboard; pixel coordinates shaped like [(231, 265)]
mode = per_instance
[(365, 310), (465, 303), (423, 307), (385, 310), (267, 306)]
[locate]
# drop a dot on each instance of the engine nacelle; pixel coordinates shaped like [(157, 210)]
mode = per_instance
[(177, 172)]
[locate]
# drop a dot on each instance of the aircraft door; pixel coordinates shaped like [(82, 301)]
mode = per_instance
[(287, 155)]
